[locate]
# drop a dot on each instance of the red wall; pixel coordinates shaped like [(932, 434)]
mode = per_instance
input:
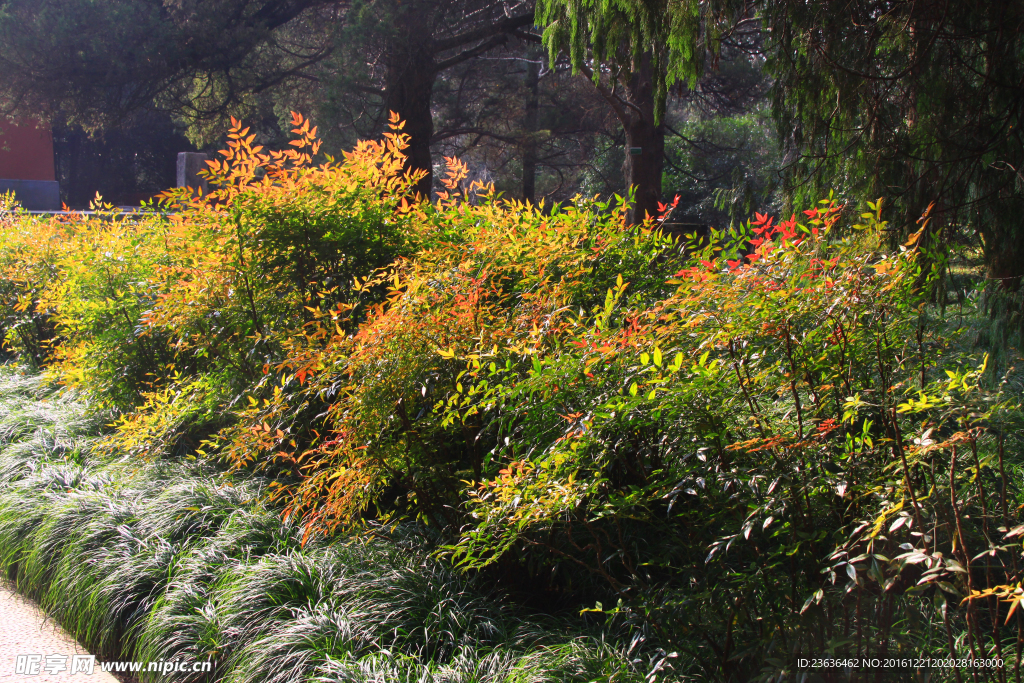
[(26, 151)]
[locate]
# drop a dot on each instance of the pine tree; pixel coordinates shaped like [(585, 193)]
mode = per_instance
[(634, 50)]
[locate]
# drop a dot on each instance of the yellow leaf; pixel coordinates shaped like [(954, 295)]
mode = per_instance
[(1015, 601)]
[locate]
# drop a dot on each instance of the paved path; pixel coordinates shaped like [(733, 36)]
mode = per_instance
[(25, 630)]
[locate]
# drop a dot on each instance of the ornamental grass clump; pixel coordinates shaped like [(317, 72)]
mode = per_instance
[(171, 561)]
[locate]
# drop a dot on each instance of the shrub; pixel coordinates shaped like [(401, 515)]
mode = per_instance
[(757, 446)]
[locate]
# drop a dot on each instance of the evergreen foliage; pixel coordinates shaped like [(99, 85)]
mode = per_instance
[(674, 36), (918, 101)]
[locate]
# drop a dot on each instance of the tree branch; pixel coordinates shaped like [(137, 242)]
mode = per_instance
[(469, 54), (614, 100), (505, 26)]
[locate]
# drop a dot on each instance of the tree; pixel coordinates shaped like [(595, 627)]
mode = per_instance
[(535, 132), (919, 101), (427, 37), (633, 51), (100, 62), (721, 154)]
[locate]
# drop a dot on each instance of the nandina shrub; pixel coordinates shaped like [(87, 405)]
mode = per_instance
[(75, 290), (714, 440), (276, 241), (279, 235), (26, 331), (389, 438), (128, 304), (754, 463)]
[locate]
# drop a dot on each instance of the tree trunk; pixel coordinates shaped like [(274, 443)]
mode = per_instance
[(645, 144), (409, 87), (1004, 256), (530, 129)]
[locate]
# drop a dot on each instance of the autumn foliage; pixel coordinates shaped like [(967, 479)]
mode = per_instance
[(763, 443)]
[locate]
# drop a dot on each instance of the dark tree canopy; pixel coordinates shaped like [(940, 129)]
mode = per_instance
[(917, 101), (101, 61), (424, 38)]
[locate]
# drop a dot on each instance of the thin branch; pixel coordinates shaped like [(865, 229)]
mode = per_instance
[(506, 26), (469, 54)]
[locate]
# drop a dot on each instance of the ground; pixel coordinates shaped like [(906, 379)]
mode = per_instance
[(26, 630)]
